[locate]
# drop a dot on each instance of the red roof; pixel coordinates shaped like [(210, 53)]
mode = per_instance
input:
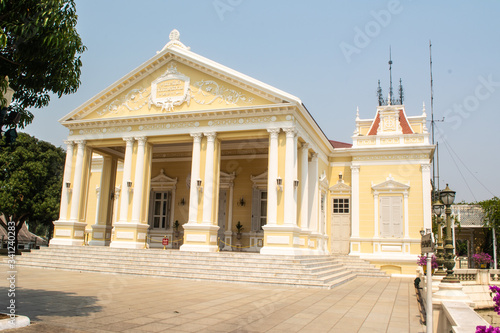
[(376, 122), (338, 144), (402, 121)]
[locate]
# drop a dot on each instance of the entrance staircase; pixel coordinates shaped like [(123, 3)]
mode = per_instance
[(302, 271)]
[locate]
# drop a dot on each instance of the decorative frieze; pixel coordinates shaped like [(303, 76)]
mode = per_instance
[(241, 121)]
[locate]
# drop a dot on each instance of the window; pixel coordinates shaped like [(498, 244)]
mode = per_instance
[(263, 208), (161, 210), (259, 209), (391, 216), (341, 206)]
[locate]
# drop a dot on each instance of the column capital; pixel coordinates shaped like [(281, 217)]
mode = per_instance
[(305, 146), (314, 156), (69, 143), (81, 143), (291, 132), (142, 140), (355, 168), (129, 139), (425, 167), (273, 132), (210, 136), (196, 136)]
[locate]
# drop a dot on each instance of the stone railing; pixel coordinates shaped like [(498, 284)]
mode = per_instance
[(457, 317), (478, 276)]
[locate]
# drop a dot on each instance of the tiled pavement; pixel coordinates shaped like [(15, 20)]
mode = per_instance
[(63, 301)]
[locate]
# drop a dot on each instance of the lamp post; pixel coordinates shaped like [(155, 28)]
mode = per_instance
[(447, 197), (438, 208)]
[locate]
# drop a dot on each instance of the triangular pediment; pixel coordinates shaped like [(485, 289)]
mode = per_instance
[(340, 187), (163, 180), (391, 185), (178, 80), (259, 180)]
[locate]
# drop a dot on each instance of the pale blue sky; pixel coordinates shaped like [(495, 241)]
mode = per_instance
[(315, 51)]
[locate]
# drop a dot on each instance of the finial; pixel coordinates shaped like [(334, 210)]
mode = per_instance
[(357, 113), (174, 35), (389, 98), (379, 95), (401, 94), (423, 110)]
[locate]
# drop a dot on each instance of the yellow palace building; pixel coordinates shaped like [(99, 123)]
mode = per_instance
[(187, 148)]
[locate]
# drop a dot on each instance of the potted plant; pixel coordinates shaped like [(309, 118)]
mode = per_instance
[(422, 261), (482, 259), (239, 227)]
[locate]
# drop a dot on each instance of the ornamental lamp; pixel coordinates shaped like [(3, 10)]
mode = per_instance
[(447, 196), (438, 208)]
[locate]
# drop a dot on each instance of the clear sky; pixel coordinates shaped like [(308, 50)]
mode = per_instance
[(330, 54)]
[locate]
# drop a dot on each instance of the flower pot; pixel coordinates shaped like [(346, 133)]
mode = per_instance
[(482, 266), (238, 235)]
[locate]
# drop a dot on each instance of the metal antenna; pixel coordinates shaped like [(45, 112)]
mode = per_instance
[(435, 175)]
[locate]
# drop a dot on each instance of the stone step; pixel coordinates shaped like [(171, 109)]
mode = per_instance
[(323, 271), (171, 260)]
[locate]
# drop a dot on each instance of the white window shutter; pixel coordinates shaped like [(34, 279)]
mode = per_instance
[(397, 216), (385, 216)]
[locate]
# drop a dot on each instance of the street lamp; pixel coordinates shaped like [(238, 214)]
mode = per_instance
[(438, 208), (447, 197)]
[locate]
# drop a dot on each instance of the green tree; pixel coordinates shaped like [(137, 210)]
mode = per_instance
[(491, 208), (39, 52), (31, 173)]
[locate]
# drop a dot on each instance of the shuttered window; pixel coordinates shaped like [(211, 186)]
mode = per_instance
[(259, 209), (391, 216)]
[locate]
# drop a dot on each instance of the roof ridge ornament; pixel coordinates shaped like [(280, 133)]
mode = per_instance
[(174, 37)]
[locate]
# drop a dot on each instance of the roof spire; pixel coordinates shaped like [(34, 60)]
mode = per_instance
[(379, 95), (390, 77), (357, 113)]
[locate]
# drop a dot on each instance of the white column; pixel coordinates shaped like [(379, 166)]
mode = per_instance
[(290, 176), (139, 180), (295, 177), (172, 206), (195, 175), (376, 217), (426, 191), (63, 212), (304, 187), (355, 201), (313, 193), (230, 210), (98, 204), (407, 215), (127, 173), (208, 187), (272, 175), (77, 181)]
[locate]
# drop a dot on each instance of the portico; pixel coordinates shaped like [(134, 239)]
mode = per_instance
[(187, 149)]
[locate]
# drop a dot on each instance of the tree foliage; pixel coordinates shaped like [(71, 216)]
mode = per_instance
[(31, 173), (491, 208), (39, 51)]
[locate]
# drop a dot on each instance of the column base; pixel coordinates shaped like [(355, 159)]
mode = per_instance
[(200, 238), (101, 235), (128, 235), (283, 240), (69, 233), (451, 292)]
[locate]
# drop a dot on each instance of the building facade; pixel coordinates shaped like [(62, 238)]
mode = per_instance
[(187, 148)]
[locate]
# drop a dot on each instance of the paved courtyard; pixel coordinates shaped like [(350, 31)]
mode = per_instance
[(65, 301)]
